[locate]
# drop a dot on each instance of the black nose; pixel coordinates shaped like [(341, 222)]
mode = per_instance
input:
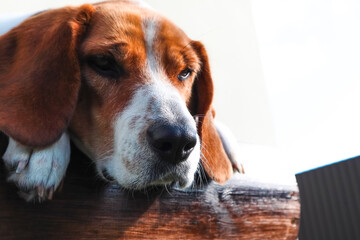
[(173, 143)]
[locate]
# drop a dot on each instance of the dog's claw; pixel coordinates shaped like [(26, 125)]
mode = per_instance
[(237, 168), (41, 191), (21, 166), (61, 185), (51, 192)]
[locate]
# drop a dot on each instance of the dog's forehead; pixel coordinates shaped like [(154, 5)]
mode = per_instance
[(133, 26), (145, 44)]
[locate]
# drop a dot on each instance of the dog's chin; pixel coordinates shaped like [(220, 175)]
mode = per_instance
[(180, 181), (173, 180), (148, 171)]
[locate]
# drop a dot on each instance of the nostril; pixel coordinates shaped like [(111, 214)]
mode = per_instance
[(189, 147), (165, 146)]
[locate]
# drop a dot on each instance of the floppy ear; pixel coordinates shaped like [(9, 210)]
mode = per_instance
[(214, 159), (40, 75)]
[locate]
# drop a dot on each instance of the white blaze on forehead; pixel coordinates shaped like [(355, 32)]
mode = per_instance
[(154, 70), (150, 27)]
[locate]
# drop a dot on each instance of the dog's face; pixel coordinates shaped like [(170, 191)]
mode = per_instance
[(133, 117), (124, 81)]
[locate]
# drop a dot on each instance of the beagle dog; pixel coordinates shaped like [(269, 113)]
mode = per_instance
[(126, 85)]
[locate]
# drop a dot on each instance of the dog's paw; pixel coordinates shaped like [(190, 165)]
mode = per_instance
[(230, 145), (37, 172)]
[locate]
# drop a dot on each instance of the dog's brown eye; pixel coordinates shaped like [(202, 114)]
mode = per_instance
[(184, 74), (105, 66)]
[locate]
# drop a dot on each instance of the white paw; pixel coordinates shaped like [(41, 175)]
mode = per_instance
[(37, 172), (230, 145)]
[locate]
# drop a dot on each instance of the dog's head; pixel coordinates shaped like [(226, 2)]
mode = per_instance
[(132, 89)]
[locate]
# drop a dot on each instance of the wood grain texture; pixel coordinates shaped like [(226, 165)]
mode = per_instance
[(87, 208)]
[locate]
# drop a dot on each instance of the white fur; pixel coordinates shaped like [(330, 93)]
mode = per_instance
[(133, 163), (150, 27), (45, 167)]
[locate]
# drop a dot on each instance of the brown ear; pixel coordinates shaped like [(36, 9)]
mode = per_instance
[(214, 159), (40, 75)]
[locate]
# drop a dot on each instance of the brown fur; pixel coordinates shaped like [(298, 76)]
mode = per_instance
[(40, 75), (46, 86)]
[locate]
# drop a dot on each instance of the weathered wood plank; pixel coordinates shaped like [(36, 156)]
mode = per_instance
[(87, 208)]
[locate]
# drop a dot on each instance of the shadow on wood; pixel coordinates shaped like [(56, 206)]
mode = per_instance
[(87, 208)]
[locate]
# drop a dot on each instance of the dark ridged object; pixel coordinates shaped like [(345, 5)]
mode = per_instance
[(330, 201)]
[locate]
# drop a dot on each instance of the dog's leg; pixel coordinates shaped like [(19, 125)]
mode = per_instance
[(37, 172), (230, 145)]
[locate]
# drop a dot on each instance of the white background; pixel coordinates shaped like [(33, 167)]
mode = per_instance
[(310, 57)]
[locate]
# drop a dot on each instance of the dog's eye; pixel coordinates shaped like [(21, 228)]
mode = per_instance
[(184, 74), (105, 66)]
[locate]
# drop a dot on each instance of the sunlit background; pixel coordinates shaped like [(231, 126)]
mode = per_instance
[(287, 75)]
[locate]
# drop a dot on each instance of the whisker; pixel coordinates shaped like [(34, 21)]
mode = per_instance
[(202, 177), (203, 159), (106, 154), (199, 173), (203, 147), (167, 190)]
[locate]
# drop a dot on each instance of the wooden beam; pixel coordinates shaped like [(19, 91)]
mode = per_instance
[(87, 208)]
